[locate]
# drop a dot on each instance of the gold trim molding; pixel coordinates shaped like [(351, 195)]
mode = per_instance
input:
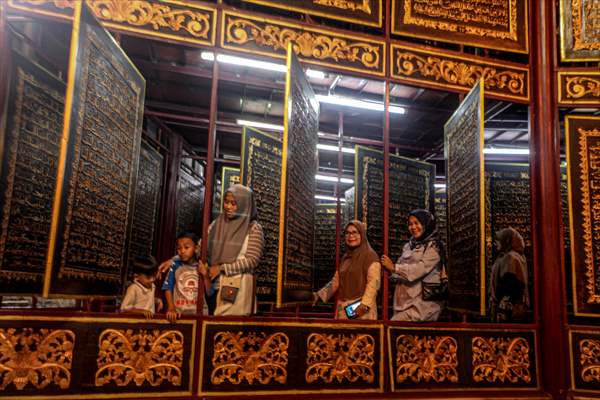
[(155, 357), (503, 360), (426, 358), (177, 20), (315, 46), (250, 357), (578, 87), (448, 71), (36, 357)]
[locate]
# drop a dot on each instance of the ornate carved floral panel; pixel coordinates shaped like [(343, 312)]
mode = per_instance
[(584, 350), (446, 70), (180, 21), (496, 24), (583, 167), (270, 37), (579, 30), (578, 88), (362, 12)]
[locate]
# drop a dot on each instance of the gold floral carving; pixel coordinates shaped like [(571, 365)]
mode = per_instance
[(306, 44), (365, 6), (159, 15), (426, 358), (581, 86), (460, 73), (139, 356), (249, 357), (592, 8), (587, 223), (589, 359), (501, 360), (36, 357), (440, 22), (340, 357)]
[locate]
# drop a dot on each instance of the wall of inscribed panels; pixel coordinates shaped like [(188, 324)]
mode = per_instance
[(229, 177), (28, 174), (463, 151), (440, 215), (260, 170), (411, 187), (299, 166), (190, 200), (324, 247), (96, 197), (349, 212)]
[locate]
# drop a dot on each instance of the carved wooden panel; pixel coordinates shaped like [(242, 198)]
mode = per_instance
[(173, 20), (447, 358), (454, 71), (30, 144), (95, 357), (349, 210), (496, 24), (578, 88), (579, 30), (290, 357), (362, 12), (312, 45), (93, 203), (229, 177), (299, 163), (147, 202), (583, 153), (440, 215), (463, 151), (324, 244), (261, 171), (584, 350), (411, 187), (190, 201)]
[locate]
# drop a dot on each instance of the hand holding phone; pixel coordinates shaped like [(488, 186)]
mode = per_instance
[(351, 310)]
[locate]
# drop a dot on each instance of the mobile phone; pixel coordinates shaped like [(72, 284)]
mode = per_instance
[(351, 310)]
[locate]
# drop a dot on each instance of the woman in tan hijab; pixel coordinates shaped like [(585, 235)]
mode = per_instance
[(509, 292), (358, 277)]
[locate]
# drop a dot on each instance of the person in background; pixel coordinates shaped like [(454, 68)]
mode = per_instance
[(419, 272), (509, 292), (235, 246), (140, 297), (358, 278)]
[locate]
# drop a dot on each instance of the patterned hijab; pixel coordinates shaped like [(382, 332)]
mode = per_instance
[(227, 236), (355, 265)]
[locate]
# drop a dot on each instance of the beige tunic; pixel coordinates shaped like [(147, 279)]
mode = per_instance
[(139, 297), (369, 297)]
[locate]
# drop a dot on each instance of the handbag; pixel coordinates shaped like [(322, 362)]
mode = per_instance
[(229, 293), (436, 291)]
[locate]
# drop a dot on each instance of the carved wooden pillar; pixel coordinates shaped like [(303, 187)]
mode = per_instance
[(546, 206)]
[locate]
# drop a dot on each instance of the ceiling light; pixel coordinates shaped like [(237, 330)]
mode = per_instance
[(439, 185), (313, 73), (256, 124), (350, 102), (321, 197), (330, 178), (328, 147), (506, 151)]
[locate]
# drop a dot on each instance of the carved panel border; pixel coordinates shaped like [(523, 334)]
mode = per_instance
[(453, 358), (579, 29), (95, 358), (452, 71), (455, 26), (578, 87), (269, 37), (172, 20), (362, 12), (295, 358)]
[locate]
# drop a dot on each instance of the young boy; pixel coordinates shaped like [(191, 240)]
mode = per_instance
[(139, 297), (181, 283)]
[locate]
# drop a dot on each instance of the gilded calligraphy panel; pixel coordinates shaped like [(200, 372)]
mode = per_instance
[(324, 245), (496, 24), (578, 88), (463, 151), (93, 203), (268, 37), (190, 200), (583, 170), (362, 12), (447, 70), (580, 30), (261, 171), (349, 211), (229, 177), (30, 145), (299, 163), (179, 21)]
